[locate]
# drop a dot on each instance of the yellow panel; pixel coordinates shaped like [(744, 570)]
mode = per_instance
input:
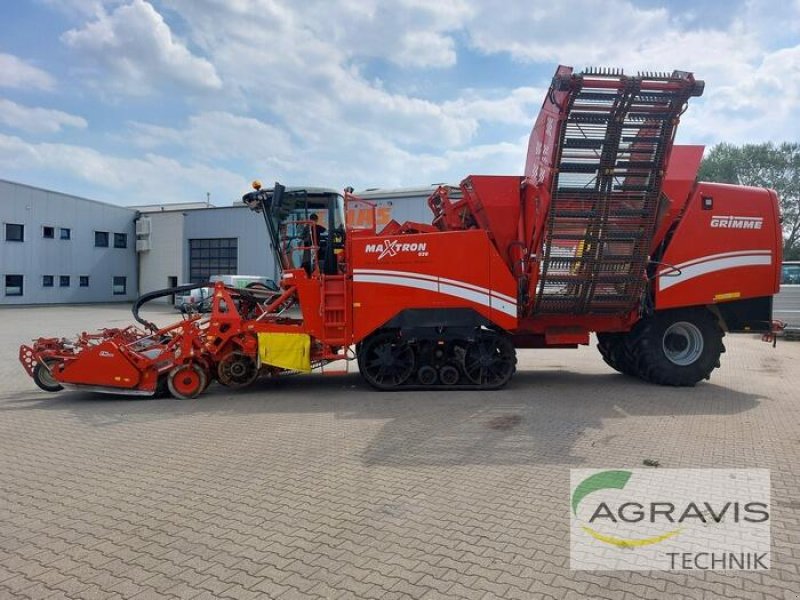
[(286, 350)]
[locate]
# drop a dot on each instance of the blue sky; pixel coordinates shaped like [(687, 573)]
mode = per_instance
[(130, 101)]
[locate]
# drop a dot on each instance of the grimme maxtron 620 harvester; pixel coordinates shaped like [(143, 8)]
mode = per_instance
[(607, 231)]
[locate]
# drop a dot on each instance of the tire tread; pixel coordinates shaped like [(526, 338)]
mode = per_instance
[(644, 345)]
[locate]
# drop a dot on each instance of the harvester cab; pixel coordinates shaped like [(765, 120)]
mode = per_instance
[(305, 227)]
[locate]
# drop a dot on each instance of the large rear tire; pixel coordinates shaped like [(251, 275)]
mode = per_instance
[(676, 347), (613, 349)]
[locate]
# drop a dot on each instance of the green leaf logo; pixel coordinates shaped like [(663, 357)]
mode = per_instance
[(616, 480), (599, 481)]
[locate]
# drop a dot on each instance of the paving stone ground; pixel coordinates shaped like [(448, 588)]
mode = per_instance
[(319, 487)]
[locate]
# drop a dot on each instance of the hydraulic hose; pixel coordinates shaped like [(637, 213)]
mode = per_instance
[(145, 298), (248, 292)]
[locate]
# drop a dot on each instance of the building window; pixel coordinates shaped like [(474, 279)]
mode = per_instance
[(48, 232), (119, 286), (63, 281), (120, 240), (207, 257), (101, 239), (15, 233), (83, 281), (66, 233), (47, 281), (13, 285)]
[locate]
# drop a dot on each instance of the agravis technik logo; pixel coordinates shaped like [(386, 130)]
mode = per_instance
[(670, 519)]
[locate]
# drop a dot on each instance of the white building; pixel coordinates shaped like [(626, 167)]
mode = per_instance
[(58, 248)]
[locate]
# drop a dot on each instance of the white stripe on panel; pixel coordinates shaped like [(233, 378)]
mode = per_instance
[(396, 273), (712, 266), (504, 307), (460, 292), (401, 281), (720, 255), (454, 282), (477, 297)]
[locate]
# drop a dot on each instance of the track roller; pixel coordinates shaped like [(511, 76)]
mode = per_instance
[(237, 370), (449, 375), (386, 361), (427, 375), (490, 360)]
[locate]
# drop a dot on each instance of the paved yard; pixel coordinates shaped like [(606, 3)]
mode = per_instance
[(320, 487)]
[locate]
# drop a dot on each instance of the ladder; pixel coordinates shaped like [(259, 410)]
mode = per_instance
[(334, 307)]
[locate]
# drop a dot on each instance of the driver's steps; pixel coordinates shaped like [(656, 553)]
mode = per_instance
[(334, 305)]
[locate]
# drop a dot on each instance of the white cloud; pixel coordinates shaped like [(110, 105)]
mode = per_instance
[(410, 33), (516, 107), (425, 49), (577, 32), (134, 49), (37, 120), (219, 135), (761, 106), (301, 64), (749, 62), (17, 73), (308, 97), (80, 8), (148, 179)]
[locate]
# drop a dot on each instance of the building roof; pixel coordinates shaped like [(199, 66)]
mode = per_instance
[(81, 198), (171, 207)]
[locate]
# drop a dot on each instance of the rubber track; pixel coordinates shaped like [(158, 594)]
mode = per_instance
[(440, 386)]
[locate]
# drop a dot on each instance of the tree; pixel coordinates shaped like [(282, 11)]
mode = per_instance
[(763, 165)]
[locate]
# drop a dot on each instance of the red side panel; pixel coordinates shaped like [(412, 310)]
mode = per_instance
[(495, 203), (726, 247), (452, 269), (101, 365), (684, 162)]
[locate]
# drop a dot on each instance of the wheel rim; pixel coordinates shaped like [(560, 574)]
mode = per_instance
[(187, 381), (46, 375), (449, 375), (683, 343), (489, 361), (388, 362)]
